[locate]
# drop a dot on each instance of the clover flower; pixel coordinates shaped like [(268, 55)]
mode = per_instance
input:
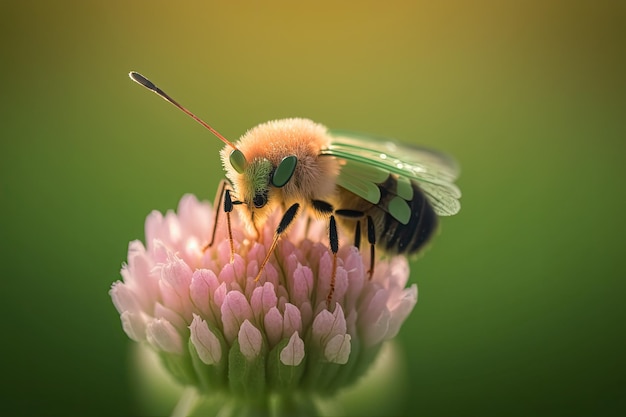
[(218, 330)]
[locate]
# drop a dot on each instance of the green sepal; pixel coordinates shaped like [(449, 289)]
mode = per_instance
[(295, 404), (180, 367), (284, 171), (283, 377), (246, 378), (367, 356), (238, 161), (352, 370), (318, 369), (211, 377)]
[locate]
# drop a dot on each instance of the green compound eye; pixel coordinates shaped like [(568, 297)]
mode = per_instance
[(238, 161), (284, 171)]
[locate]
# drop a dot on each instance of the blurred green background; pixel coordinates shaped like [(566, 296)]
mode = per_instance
[(521, 308)]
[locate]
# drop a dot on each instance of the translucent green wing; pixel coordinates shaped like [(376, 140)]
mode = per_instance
[(370, 160)]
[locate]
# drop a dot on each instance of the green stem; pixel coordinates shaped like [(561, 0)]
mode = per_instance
[(244, 407), (294, 405), (186, 404), (283, 405)]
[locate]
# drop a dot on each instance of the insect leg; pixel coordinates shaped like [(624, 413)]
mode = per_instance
[(371, 232), (288, 217), (327, 209), (228, 207), (353, 214), (217, 203), (357, 235), (223, 193), (334, 248), (371, 238)]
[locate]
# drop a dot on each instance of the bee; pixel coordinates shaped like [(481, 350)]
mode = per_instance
[(384, 192)]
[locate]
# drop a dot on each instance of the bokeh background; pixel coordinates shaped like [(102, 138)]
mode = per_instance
[(521, 308)]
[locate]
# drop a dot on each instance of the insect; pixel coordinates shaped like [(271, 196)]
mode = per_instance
[(385, 192)]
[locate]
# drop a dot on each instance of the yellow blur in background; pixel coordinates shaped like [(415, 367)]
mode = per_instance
[(521, 306)]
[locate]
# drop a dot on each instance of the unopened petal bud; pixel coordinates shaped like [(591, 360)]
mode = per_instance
[(250, 340), (337, 349), (206, 343), (235, 311), (163, 336), (293, 353)]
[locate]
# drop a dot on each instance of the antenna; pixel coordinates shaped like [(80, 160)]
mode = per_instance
[(141, 80)]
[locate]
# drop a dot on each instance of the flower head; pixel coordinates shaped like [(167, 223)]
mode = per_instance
[(218, 329)]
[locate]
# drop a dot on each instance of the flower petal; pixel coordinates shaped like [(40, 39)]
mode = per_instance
[(203, 285), (293, 353), (273, 322), (292, 320), (123, 298), (327, 325), (401, 310), (338, 348), (204, 340), (134, 325), (162, 335), (302, 285), (263, 299), (250, 340), (235, 311)]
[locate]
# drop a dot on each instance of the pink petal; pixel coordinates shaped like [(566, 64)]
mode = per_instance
[(228, 273), (172, 233), (339, 323), (356, 278), (302, 285), (273, 322), (402, 310), (138, 274), (152, 226), (172, 316), (399, 276), (158, 251), (223, 253), (327, 324), (134, 325), (341, 285), (377, 303), (292, 320), (293, 353), (306, 312), (203, 286), (250, 340), (337, 349), (235, 311), (162, 335), (220, 295), (178, 275), (321, 326), (374, 331), (263, 299), (195, 217), (323, 277), (206, 343), (123, 298)]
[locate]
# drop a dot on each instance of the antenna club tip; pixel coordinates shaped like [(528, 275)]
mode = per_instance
[(140, 79), (135, 76)]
